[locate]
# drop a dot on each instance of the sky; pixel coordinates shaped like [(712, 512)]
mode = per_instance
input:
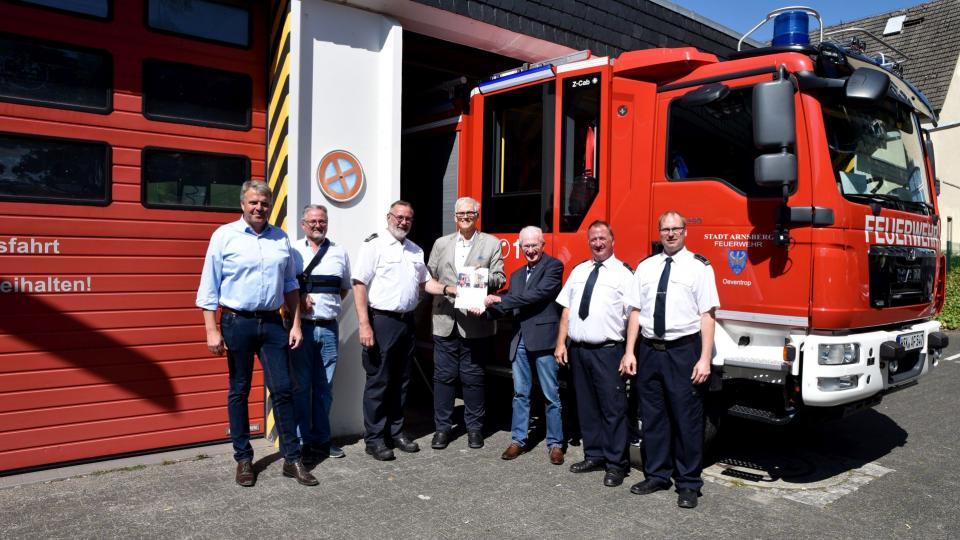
[(742, 15)]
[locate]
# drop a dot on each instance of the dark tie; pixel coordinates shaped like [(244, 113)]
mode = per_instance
[(588, 291), (660, 308)]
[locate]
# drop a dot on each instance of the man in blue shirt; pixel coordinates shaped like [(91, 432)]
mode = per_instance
[(249, 273)]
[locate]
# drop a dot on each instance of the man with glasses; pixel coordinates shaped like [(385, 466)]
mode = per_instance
[(387, 279), (324, 273), (674, 300), (461, 342), (594, 318), (533, 289), (248, 273)]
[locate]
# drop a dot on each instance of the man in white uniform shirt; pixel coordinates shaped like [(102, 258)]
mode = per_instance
[(674, 300), (594, 318), (387, 279), (321, 290)]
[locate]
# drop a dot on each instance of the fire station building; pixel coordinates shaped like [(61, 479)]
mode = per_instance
[(126, 129)]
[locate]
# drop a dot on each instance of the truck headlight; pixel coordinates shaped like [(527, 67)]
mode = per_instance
[(838, 354)]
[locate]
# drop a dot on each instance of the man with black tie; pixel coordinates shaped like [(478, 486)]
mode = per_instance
[(594, 317), (674, 359), (530, 299)]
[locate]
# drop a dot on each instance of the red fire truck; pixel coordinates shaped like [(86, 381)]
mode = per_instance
[(805, 177)]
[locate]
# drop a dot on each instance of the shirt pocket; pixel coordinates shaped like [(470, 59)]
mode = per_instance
[(682, 282)]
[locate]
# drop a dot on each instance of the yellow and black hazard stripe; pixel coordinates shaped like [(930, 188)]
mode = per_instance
[(278, 125)]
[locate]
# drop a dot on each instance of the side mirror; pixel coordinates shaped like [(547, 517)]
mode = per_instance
[(774, 118), (928, 146), (867, 84), (775, 169)]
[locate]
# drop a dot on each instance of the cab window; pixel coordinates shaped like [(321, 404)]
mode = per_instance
[(580, 151), (518, 159), (714, 141)]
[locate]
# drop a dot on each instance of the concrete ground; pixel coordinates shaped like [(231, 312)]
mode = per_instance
[(890, 472)]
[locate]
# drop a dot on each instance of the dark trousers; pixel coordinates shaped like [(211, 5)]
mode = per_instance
[(672, 411), (387, 365), (269, 340), (456, 357), (601, 403)]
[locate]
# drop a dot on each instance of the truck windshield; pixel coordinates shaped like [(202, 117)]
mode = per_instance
[(877, 155)]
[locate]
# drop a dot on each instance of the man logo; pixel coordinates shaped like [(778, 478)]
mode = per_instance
[(340, 176), (737, 259)]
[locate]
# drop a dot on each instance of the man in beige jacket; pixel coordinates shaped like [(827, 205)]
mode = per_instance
[(461, 341)]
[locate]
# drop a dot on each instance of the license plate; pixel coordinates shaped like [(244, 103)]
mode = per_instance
[(911, 341)]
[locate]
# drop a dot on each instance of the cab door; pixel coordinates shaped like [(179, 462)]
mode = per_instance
[(705, 171)]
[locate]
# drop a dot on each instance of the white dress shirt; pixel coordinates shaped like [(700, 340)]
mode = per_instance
[(326, 306), (461, 249), (392, 271), (607, 320), (691, 292)]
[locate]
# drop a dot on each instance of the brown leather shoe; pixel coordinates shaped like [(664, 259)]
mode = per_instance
[(295, 469), (245, 474), (556, 455), (512, 452)]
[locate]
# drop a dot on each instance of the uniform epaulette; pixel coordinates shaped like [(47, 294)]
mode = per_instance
[(371, 237), (648, 256), (702, 259), (627, 266)]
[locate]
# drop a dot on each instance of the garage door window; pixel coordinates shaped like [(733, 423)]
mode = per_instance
[(52, 170), (193, 180), (53, 74), (224, 21), (188, 94)]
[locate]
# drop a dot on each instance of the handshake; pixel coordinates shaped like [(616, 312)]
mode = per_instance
[(487, 302)]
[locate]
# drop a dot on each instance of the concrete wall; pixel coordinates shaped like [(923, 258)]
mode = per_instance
[(946, 141), (345, 95)]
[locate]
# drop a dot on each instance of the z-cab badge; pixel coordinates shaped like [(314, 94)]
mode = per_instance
[(737, 259)]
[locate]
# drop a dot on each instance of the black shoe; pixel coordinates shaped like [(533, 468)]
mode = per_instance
[(613, 478), (380, 452), (440, 440), (586, 466), (245, 475), (648, 486), (474, 439), (295, 469), (404, 444), (687, 498)]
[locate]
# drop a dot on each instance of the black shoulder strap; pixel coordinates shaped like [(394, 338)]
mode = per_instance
[(316, 257), (702, 259)]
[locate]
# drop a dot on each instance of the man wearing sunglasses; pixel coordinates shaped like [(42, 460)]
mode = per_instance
[(674, 301), (461, 342)]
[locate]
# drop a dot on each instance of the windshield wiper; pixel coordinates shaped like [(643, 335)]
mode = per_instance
[(878, 198), (898, 203)]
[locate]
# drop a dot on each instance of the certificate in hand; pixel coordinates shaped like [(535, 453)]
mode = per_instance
[(471, 288)]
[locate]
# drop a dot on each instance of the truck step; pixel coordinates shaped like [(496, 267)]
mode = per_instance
[(760, 415)]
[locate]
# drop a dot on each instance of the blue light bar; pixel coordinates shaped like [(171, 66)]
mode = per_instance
[(516, 79), (791, 28)]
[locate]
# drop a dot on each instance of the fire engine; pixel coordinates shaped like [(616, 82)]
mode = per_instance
[(803, 172)]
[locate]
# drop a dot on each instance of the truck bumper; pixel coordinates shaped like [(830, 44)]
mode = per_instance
[(881, 361)]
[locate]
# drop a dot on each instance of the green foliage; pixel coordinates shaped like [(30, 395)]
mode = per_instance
[(950, 317)]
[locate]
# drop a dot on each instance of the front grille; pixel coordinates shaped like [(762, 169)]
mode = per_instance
[(901, 276)]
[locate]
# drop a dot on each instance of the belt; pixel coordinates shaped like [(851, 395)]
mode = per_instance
[(662, 344), (391, 314), (304, 320), (251, 314), (604, 345)]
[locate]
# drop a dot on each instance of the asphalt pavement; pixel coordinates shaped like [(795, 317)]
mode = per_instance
[(888, 472)]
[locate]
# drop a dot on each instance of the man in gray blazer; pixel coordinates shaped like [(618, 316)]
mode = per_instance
[(461, 342)]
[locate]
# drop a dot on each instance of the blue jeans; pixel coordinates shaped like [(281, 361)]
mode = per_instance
[(522, 383), (313, 365), (268, 339)]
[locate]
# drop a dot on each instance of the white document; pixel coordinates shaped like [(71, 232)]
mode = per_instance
[(471, 287)]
